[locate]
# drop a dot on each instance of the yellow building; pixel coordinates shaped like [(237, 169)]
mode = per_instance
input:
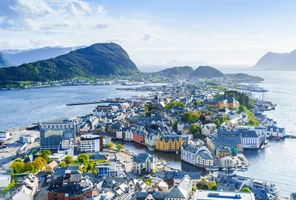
[(169, 143)]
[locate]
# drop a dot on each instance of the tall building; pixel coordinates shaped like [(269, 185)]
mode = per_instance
[(91, 143), (53, 133)]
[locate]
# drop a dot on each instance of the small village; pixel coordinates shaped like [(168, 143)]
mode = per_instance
[(207, 125)]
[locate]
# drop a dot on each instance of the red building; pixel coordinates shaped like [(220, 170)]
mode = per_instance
[(139, 136)]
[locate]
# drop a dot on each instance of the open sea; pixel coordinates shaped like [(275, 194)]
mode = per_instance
[(276, 163)]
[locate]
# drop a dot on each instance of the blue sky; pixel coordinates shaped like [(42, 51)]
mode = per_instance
[(155, 32)]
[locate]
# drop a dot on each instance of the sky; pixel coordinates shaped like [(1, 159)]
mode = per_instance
[(155, 32)]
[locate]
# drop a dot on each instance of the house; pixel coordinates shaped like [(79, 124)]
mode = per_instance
[(209, 129), (139, 136), (227, 162), (169, 142), (51, 166), (143, 163), (196, 154), (175, 177), (181, 191), (150, 139), (28, 189), (70, 185)]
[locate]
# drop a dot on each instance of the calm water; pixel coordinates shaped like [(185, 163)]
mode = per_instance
[(276, 163)]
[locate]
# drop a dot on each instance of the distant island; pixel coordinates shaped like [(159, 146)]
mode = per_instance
[(277, 61), (102, 61)]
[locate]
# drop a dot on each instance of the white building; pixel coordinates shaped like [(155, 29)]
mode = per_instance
[(209, 129), (143, 163), (28, 190), (227, 162), (197, 154), (4, 180), (4, 136), (27, 138), (90, 143)]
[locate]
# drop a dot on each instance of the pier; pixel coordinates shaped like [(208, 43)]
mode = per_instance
[(116, 100)]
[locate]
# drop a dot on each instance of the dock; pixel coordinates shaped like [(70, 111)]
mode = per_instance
[(115, 100)]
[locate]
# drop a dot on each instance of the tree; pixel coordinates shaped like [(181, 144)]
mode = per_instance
[(17, 166), (119, 147), (212, 185), (69, 159), (63, 164), (194, 188), (190, 117), (197, 103), (39, 163), (246, 190), (83, 158), (29, 167), (45, 154), (110, 145)]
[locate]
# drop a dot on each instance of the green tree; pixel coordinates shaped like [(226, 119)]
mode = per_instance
[(17, 166), (194, 188), (63, 164), (83, 158), (69, 159), (197, 103), (212, 185), (45, 154), (29, 167), (246, 190), (39, 163), (190, 117), (110, 145), (119, 147)]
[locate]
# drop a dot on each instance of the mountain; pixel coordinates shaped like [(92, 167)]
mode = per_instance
[(206, 72), (103, 59), (277, 61), (243, 78), (19, 57), (3, 61), (183, 71)]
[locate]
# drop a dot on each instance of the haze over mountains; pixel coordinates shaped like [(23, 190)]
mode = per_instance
[(277, 61), (18, 57)]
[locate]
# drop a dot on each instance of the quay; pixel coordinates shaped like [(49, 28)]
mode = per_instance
[(115, 100)]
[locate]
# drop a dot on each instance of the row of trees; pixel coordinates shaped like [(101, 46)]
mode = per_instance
[(19, 166), (111, 145)]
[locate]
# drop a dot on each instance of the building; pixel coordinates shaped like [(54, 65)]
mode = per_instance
[(27, 138), (150, 139), (70, 185), (143, 163), (28, 189), (4, 136), (227, 162), (4, 180), (51, 166), (169, 142), (139, 136), (52, 133), (209, 129), (91, 143), (214, 195), (196, 154)]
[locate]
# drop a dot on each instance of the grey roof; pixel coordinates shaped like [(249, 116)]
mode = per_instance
[(142, 157)]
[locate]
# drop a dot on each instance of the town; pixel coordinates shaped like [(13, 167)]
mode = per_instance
[(207, 125)]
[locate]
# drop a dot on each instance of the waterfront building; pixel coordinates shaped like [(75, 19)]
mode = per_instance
[(170, 142), (143, 163), (91, 143), (27, 138), (139, 136), (4, 136), (227, 162), (150, 139), (196, 154)]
